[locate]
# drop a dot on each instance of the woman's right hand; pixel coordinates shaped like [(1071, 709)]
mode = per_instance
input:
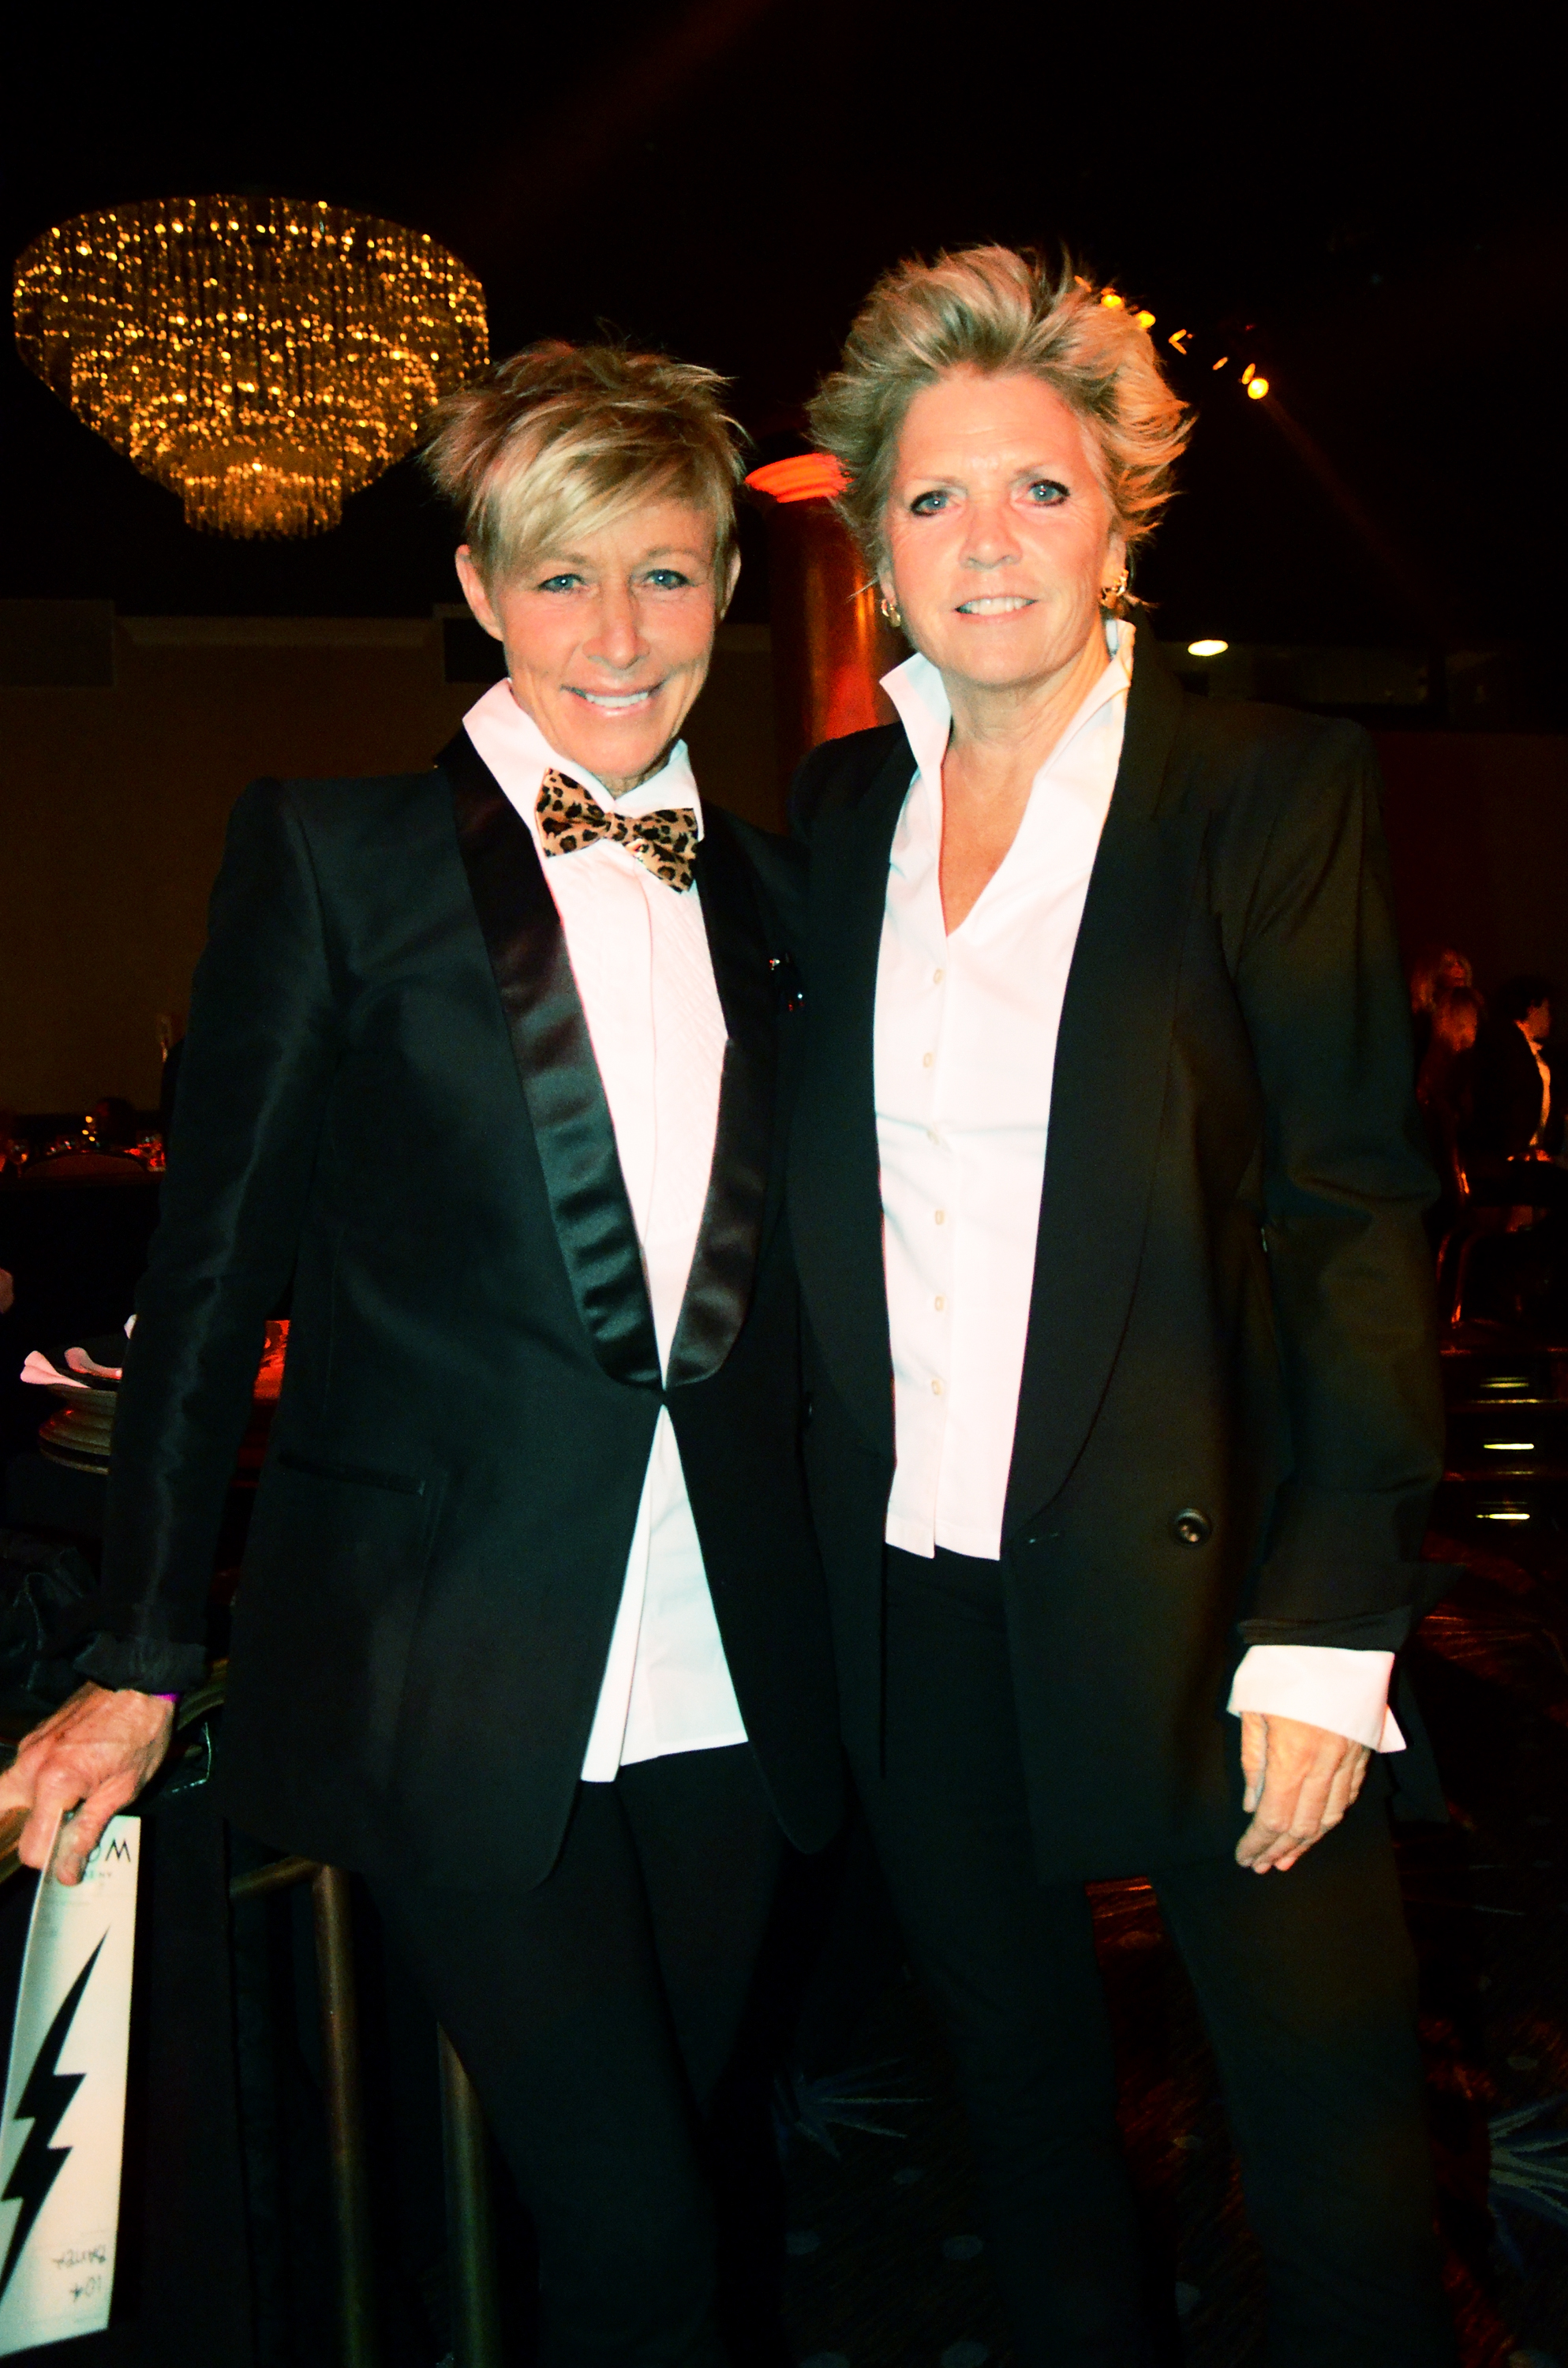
[(93, 1757)]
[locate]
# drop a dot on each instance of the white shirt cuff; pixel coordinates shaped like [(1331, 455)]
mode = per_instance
[(1335, 1685)]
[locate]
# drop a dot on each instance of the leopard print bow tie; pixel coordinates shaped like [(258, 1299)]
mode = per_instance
[(663, 842)]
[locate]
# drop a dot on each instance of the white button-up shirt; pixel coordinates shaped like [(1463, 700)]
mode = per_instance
[(640, 959), (965, 1048)]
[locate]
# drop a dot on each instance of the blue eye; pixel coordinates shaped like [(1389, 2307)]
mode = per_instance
[(1046, 493), (559, 583), (928, 505), (667, 579)]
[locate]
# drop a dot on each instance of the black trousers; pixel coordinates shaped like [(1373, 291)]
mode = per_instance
[(594, 2015), (1305, 1981)]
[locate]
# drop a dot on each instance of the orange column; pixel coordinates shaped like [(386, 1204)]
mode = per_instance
[(830, 642)]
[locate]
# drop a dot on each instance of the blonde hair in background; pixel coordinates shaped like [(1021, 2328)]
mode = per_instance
[(560, 439), (996, 311)]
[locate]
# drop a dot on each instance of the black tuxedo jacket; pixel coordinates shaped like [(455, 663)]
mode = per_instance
[(1504, 1101), (388, 1094), (1229, 1425)]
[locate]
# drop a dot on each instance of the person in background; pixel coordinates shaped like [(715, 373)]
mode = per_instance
[(1443, 1090), (1514, 1126), (530, 1630), (115, 1123), (168, 1085), (1105, 1188), (1436, 973)]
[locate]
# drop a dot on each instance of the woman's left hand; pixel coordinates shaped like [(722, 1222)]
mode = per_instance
[(1300, 1782)]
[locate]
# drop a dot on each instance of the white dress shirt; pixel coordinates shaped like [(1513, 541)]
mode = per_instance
[(965, 1047), (638, 955)]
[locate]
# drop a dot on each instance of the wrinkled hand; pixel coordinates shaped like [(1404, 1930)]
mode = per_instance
[(1300, 1782), (93, 1756)]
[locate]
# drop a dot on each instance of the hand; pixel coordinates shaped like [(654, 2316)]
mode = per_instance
[(93, 1756), (1300, 1782)]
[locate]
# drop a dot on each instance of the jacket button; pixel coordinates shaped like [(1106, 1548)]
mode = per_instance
[(1191, 1528)]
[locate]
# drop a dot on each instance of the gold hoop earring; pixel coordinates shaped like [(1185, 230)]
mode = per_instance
[(892, 611), (1111, 593)]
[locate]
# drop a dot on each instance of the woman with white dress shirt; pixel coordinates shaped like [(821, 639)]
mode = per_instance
[(1105, 1193), (531, 1631)]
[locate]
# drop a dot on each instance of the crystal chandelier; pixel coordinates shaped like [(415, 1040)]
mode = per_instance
[(259, 356)]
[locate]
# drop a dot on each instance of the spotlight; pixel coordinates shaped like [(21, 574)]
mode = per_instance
[(1258, 389), (1207, 649)]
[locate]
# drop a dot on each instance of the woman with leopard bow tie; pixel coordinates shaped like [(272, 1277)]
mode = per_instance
[(530, 1630)]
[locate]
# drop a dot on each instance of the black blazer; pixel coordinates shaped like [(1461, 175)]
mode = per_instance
[(1504, 1101), (388, 1094), (1229, 1424)]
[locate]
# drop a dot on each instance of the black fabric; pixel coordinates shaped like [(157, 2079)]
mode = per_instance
[(1306, 1981), (143, 1664), (47, 1589), (594, 2013), (720, 1284), (1232, 1301), (440, 1531), (572, 1131), (1503, 1114)]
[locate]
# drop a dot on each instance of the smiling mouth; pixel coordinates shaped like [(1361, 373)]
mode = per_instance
[(1000, 604), (616, 702)]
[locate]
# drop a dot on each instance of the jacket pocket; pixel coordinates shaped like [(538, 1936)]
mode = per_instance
[(333, 1575), (359, 1476)]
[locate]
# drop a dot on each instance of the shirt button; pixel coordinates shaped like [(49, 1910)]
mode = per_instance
[(941, 1216), (936, 1389), (927, 1060), (938, 976), (942, 1302)]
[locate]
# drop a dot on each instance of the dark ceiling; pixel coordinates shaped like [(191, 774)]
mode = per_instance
[(725, 177)]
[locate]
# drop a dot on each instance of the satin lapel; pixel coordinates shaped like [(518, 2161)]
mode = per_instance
[(565, 1101), (836, 1198), (1106, 1093), (718, 1291)]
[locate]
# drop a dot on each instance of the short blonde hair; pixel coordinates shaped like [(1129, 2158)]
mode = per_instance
[(990, 309), (560, 438)]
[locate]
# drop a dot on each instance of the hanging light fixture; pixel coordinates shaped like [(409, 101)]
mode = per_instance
[(260, 356)]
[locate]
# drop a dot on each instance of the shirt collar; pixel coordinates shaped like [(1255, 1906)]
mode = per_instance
[(919, 694), (518, 754)]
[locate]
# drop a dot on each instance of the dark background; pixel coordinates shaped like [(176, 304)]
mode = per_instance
[(1375, 191)]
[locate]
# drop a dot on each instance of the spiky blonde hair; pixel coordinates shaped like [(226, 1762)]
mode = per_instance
[(996, 311), (563, 439)]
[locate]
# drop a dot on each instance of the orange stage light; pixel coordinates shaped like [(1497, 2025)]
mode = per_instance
[(1109, 296), (1258, 388), (1223, 360), (804, 477)]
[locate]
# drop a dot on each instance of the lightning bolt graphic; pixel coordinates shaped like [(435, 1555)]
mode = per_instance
[(44, 2101)]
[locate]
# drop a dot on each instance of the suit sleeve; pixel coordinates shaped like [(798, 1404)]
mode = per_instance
[(1346, 1180), (258, 1060)]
